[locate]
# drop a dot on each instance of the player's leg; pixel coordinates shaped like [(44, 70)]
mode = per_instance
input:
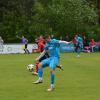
[(37, 64), (40, 70), (53, 63), (40, 73), (27, 51), (25, 48), (80, 48), (52, 72), (78, 52), (35, 72), (75, 46)]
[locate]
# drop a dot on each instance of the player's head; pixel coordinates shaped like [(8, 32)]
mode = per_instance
[(41, 37), (47, 38)]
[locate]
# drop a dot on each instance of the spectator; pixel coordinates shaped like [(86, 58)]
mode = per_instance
[(92, 45), (84, 41)]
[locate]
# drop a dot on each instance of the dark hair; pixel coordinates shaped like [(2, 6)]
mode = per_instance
[(47, 36), (79, 35)]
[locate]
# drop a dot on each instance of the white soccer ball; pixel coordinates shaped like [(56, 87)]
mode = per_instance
[(30, 67)]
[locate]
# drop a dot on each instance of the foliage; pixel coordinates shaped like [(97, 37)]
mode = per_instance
[(71, 15), (35, 17)]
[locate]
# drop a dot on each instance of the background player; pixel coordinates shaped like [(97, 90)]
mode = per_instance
[(78, 45)]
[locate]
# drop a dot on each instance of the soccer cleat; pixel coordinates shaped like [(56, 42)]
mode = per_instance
[(34, 73), (51, 88), (38, 81)]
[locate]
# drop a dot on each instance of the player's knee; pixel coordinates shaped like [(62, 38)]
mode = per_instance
[(40, 65)]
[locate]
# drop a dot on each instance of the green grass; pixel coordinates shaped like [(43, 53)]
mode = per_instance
[(80, 79)]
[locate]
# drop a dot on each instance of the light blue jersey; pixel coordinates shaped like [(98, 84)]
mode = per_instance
[(79, 42), (53, 47)]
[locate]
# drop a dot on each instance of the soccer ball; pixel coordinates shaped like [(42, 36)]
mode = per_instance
[(30, 67)]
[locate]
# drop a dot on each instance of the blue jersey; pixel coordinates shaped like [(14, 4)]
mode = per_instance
[(79, 41), (53, 47)]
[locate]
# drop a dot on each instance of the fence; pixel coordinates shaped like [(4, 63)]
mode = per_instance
[(16, 48)]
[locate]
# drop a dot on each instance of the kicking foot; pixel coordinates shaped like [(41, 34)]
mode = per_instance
[(38, 81), (34, 73)]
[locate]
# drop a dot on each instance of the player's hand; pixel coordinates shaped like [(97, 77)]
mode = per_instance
[(36, 60), (71, 42)]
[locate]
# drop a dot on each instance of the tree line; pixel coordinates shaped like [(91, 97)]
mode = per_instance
[(32, 18)]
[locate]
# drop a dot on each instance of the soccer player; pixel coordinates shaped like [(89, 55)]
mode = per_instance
[(79, 45), (39, 59), (44, 55), (52, 46), (41, 43)]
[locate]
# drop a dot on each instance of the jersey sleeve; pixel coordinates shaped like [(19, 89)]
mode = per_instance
[(56, 41), (46, 46)]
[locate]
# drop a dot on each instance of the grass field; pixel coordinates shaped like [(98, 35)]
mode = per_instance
[(80, 79)]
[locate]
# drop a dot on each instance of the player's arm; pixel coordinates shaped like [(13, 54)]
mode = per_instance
[(60, 41), (18, 37), (26, 39), (40, 56), (43, 53)]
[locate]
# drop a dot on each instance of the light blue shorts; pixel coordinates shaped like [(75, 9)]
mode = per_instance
[(52, 62)]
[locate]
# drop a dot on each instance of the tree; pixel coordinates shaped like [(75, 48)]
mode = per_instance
[(35, 17), (71, 15), (15, 18), (40, 19)]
